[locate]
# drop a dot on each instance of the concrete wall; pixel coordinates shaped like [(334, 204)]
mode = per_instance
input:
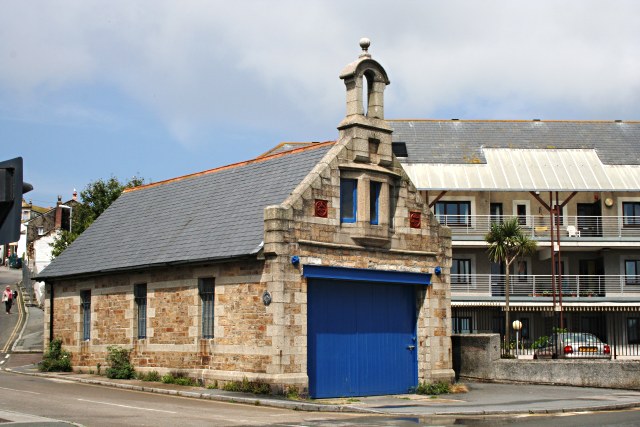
[(477, 357)]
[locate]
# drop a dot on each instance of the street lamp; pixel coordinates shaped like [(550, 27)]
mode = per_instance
[(517, 325)]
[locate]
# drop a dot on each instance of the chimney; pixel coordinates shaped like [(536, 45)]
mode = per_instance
[(75, 195), (58, 219)]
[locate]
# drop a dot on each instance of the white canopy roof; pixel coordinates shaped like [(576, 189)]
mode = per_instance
[(527, 170)]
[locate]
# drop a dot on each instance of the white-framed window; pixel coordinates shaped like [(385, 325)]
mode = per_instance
[(456, 211), (631, 214), (522, 210), (461, 270), (463, 267), (631, 270), (628, 212), (40, 231)]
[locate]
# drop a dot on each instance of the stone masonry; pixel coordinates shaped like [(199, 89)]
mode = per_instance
[(268, 342)]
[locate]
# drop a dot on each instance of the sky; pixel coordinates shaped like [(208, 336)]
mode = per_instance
[(163, 88)]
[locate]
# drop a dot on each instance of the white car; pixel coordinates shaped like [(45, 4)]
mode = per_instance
[(573, 345)]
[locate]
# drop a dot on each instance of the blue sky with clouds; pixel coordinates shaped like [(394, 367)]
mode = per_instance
[(158, 89)]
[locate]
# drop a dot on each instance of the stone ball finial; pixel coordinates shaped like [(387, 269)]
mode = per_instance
[(364, 44)]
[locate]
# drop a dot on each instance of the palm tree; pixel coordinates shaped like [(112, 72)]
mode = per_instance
[(507, 243)]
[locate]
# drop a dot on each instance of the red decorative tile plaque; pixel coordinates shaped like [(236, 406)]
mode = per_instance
[(321, 208), (415, 219)]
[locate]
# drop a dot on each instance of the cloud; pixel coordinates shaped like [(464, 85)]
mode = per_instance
[(271, 66)]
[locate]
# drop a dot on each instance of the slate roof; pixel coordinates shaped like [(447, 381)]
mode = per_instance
[(285, 146), (211, 215), (460, 141)]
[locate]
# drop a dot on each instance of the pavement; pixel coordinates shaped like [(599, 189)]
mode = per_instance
[(480, 399)]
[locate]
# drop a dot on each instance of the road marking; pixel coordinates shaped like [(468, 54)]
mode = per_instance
[(9, 343), (57, 380), (21, 391), (7, 356), (126, 406)]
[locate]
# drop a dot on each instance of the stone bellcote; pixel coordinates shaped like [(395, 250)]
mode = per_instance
[(366, 80)]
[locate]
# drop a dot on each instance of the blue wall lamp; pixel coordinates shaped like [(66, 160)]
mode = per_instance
[(438, 271), (295, 260)]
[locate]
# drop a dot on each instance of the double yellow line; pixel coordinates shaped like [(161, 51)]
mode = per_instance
[(16, 329)]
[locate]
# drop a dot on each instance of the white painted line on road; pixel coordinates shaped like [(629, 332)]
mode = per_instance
[(126, 406), (57, 380), (21, 391), (7, 356)]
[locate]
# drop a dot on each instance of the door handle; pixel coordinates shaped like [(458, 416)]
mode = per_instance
[(411, 347)]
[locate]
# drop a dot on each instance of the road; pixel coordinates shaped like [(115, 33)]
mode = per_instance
[(103, 406), (89, 405), (8, 322), (30, 400)]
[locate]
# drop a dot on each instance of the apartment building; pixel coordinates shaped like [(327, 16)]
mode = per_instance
[(585, 275)]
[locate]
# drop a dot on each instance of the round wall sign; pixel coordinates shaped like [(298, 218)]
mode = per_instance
[(608, 202)]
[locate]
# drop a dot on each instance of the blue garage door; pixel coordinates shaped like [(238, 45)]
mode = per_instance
[(361, 338)]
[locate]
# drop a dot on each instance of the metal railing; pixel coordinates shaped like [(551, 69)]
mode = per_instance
[(538, 226), (579, 286), (620, 330)]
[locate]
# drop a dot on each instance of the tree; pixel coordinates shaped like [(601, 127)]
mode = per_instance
[(507, 243), (94, 199)]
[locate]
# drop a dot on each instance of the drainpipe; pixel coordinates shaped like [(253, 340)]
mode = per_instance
[(50, 285)]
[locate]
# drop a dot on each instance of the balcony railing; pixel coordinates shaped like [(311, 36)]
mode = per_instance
[(537, 226), (578, 286)]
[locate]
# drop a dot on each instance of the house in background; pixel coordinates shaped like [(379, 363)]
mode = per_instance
[(19, 248), (41, 231), (475, 173), (315, 266)]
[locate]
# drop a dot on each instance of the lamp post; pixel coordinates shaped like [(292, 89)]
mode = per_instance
[(517, 325)]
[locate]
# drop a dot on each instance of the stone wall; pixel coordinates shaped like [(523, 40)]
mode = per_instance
[(294, 229), (173, 341), (477, 357), (268, 342)]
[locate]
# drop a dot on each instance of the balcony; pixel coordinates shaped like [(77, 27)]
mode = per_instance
[(577, 287), (616, 228)]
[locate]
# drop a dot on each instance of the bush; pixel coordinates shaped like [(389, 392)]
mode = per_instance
[(246, 386), (152, 376), (292, 392), (179, 378), (185, 381), (540, 342), (55, 359), (120, 366), (433, 388)]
